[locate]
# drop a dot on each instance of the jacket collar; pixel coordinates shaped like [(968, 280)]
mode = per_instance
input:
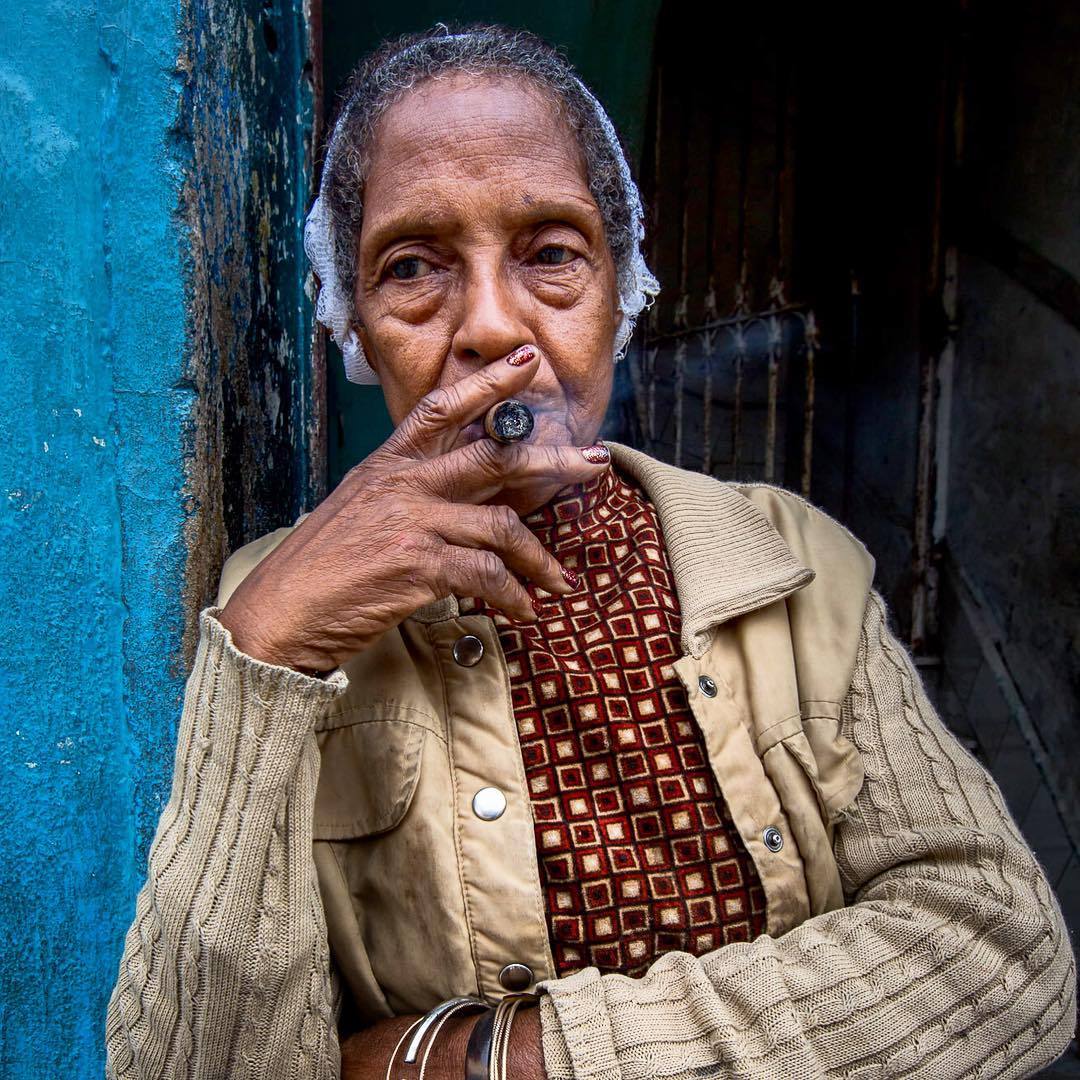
[(726, 555)]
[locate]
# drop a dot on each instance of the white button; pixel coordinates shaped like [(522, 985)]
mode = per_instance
[(488, 803)]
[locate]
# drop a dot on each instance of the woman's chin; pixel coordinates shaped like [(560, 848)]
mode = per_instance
[(525, 500)]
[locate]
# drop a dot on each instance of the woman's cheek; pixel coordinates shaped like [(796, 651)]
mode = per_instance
[(409, 361), (577, 314)]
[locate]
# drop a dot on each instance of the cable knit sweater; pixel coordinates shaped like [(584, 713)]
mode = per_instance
[(951, 960)]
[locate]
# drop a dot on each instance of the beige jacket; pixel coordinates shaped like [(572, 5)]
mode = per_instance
[(910, 929)]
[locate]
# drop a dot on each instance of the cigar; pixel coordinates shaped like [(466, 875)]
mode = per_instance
[(508, 421)]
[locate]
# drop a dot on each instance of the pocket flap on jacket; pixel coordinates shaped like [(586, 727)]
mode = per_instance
[(367, 777), (839, 765)]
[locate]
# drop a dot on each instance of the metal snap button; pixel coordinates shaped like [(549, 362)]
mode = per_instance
[(468, 650), (707, 686), (773, 838), (488, 803), (516, 977)]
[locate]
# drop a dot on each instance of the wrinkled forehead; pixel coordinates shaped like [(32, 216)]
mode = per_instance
[(470, 154), (459, 125)]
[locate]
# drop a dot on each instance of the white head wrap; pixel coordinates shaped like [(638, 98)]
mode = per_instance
[(636, 283)]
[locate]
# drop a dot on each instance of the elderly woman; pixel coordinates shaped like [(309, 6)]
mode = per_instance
[(552, 723)]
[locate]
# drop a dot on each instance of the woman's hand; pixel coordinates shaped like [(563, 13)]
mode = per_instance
[(365, 1055), (405, 527)]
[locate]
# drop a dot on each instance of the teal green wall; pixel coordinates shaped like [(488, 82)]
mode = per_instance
[(608, 41)]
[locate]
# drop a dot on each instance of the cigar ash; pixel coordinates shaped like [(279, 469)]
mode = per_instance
[(509, 421)]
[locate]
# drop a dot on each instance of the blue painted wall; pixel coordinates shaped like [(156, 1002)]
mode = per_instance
[(92, 409), (157, 411)]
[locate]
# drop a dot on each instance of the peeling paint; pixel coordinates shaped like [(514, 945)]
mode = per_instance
[(249, 469)]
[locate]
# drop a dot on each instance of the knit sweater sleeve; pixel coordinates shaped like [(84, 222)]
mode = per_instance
[(226, 969), (951, 958)]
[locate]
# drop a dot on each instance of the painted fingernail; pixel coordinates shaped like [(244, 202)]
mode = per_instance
[(536, 606), (521, 356), (571, 578), (596, 455)]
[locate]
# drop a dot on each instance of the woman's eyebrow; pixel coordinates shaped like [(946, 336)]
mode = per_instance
[(423, 226), (580, 213), (426, 225)]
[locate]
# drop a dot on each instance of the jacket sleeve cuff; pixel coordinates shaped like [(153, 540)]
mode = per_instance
[(221, 638), (280, 704), (575, 1028)]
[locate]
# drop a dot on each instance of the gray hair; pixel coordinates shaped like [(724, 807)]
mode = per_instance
[(384, 78)]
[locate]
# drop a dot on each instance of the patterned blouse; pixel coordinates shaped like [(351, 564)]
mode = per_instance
[(638, 854)]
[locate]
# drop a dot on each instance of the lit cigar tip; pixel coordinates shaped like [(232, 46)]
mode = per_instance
[(509, 421)]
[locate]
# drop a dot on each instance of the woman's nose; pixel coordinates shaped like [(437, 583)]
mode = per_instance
[(491, 320)]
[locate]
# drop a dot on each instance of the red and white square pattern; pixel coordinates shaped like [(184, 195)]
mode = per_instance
[(638, 853)]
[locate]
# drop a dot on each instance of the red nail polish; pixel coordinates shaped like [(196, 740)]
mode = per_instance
[(521, 356), (596, 455), (537, 605), (571, 578)]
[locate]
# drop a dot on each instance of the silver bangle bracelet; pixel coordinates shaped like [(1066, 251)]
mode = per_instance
[(443, 1008), (500, 1031), (432, 1021)]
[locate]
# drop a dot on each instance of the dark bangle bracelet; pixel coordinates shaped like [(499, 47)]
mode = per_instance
[(491, 1035), (478, 1052)]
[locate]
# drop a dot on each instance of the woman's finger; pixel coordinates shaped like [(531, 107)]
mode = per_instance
[(436, 420), (499, 529), (479, 471), (466, 571)]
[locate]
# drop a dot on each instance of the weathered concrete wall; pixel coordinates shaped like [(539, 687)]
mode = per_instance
[(92, 404), (155, 413), (1014, 485)]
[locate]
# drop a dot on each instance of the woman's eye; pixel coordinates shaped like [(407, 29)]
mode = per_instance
[(407, 268), (558, 250)]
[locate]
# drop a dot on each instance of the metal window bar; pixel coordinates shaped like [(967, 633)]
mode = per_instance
[(721, 363), (687, 365)]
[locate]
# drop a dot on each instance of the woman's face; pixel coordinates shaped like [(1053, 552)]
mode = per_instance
[(480, 235)]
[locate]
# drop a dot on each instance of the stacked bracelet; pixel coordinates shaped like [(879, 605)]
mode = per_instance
[(489, 1041), (432, 1021)]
